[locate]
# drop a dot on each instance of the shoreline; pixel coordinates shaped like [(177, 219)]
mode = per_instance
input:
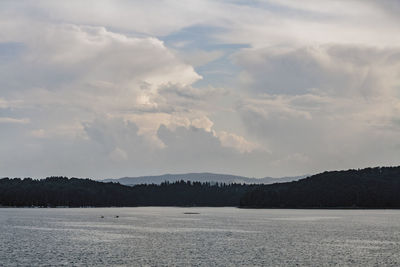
[(237, 207)]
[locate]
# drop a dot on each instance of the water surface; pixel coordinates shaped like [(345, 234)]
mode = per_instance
[(161, 236)]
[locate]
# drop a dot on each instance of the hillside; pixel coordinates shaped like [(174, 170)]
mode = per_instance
[(74, 192), (61, 191), (200, 177), (366, 188)]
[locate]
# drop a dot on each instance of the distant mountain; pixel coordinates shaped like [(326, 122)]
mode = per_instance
[(201, 177)]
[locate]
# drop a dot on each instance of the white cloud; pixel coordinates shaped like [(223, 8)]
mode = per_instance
[(83, 71), (203, 123), (13, 120), (262, 23), (237, 142)]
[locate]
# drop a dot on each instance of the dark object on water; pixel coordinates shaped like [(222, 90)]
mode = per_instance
[(102, 217), (117, 216), (191, 213)]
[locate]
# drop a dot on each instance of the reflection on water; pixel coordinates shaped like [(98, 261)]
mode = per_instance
[(214, 237)]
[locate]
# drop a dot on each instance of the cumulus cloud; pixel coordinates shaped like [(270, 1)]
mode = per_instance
[(107, 88), (237, 142), (102, 94), (100, 58), (82, 71), (203, 123)]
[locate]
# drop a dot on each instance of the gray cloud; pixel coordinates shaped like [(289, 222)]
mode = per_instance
[(332, 104), (113, 147), (330, 69)]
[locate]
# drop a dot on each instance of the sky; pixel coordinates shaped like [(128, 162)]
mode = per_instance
[(105, 89)]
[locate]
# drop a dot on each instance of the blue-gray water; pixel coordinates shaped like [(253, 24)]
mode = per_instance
[(157, 236)]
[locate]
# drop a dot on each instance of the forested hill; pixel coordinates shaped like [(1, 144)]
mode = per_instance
[(366, 188), (61, 191)]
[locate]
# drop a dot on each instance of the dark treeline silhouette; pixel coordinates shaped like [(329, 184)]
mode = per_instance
[(366, 188), (61, 191), (74, 192)]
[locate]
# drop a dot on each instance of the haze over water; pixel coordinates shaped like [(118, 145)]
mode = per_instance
[(214, 237)]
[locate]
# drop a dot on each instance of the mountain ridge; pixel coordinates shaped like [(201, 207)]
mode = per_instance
[(201, 177)]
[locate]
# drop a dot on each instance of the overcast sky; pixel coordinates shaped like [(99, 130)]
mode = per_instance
[(256, 88)]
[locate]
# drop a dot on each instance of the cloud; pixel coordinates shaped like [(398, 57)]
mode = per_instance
[(203, 123), (80, 71), (199, 58), (237, 142), (200, 150), (108, 88), (327, 102), (3, 103), (101, 57), (330, 69), (260, 23), (73, 77), (113, 147), (13, 120)]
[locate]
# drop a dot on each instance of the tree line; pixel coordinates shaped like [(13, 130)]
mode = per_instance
[(75, 192), (367, 188)]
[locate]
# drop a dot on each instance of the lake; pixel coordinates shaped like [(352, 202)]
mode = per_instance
[(166, 236)]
